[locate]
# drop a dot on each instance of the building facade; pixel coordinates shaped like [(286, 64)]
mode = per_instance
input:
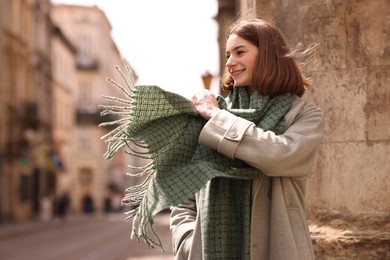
[(90, 176), (347, 197), (25, 111), (54, 61), (64, 106)]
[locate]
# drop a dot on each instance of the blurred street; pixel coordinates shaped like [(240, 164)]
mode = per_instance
[(105, 237)]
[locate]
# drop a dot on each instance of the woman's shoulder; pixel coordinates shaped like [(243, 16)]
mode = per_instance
[(299, 103), (302, 108)]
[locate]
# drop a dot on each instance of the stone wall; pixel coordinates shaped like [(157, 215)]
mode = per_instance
[(348, 196)]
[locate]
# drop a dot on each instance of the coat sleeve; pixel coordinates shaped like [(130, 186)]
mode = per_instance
[(291, 154), (182, 225)]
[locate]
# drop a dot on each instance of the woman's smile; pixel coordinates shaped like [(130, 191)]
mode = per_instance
[(235, 73)]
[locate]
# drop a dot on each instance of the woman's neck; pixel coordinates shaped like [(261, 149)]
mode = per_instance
[(249, 90)]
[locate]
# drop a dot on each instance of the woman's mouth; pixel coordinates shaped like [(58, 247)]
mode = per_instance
[(236, 72)]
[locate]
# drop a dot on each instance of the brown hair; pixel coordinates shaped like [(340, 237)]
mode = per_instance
[(277, 71)]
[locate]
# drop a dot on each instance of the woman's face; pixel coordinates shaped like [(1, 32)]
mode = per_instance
[(241, 58)]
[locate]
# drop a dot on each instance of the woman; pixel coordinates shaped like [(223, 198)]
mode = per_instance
[(261, 69)]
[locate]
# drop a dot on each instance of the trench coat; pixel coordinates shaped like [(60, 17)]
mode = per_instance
[(279, 228)]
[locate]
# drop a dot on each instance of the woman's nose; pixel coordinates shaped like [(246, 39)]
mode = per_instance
[(229, 62)]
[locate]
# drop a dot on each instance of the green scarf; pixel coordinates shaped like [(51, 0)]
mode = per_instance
[(167, 126)]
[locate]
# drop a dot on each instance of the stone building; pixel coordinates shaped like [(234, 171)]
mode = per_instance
[(54, 61), (26, 171), (347, 197), (89, 30), (63, 99)]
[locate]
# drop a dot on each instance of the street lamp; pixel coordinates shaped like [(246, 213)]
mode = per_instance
[(207, 78)]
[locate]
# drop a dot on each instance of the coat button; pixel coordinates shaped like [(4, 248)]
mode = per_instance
[(233, 135)]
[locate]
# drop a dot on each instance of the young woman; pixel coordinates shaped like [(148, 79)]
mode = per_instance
[(266, 124)]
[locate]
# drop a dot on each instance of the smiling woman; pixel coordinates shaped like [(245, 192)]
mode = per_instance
[(265, 125), (160, 51)]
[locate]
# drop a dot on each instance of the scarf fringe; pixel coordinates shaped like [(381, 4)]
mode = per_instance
[(119, 100), (116, 131), (118, 138), (145, 230), (144, 169), (143, 226)]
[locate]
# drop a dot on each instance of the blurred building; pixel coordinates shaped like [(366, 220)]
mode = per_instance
[(54, 61), (25, 85), (88, 175), (64, 91), (347, 197)]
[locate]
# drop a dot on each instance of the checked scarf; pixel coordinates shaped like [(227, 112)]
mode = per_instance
[(164, 127)]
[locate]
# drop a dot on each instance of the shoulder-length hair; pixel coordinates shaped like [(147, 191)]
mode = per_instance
[(277, 71)]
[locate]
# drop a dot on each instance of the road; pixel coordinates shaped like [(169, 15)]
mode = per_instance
[(83, 238)]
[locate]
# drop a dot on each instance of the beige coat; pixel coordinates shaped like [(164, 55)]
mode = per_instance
[(279, 229)]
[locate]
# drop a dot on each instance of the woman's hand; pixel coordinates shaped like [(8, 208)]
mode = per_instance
[(205, 104)]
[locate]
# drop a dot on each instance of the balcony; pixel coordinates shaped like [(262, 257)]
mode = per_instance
[(92, 117), (85, 62), (29, 115)]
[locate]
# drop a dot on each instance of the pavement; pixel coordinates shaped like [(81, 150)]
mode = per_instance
[(10, 230), (14, 229)]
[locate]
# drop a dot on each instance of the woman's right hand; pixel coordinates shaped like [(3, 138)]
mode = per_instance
[(205, 104)]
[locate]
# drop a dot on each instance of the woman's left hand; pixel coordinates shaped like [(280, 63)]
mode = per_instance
[(205, 104)]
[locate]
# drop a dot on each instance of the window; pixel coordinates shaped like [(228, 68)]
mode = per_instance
[(85, 93), (85, 175), (84, 143)]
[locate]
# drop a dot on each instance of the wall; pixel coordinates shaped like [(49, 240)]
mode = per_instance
[(347, 197)]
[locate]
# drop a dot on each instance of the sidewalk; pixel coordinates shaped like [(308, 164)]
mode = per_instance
[(37, 229), (8, 230)]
